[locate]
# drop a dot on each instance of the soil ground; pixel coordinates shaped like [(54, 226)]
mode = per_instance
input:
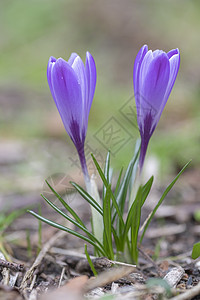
[(60, 265)]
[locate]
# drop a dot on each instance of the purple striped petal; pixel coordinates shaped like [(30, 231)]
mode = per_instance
[(72, 86), (91, 79), (51, 62), (72, 58), (137, 66), (154, 76), (174, 62), (67, 95), (155, 84), (79, 69)]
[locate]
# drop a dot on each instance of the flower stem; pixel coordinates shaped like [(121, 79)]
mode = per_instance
[(92, 190)]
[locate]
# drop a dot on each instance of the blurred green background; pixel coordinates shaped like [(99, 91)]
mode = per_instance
[(33, 142)]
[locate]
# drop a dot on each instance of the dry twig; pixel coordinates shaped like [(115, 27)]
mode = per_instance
[(40, 257)]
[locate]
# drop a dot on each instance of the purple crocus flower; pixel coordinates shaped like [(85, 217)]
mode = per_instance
[(154, 75), (72, 86)]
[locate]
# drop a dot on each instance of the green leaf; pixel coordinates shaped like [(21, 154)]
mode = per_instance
[(126, 183), (161, 200), (121, 197), (133, 209), (105, 182), (136, 215), (82, 227), (106, 173), (116, 238), (87, 197), (107, 222), (146, 189), (197, 215), (118, 182), (129, 219), (112, 195), (61, 227), (68, 208), (90, 262), (196, 251)]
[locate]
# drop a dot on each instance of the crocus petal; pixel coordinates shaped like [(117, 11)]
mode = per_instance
[(67, 94), (137, 66), (174, 67), (136, 77), (172, 52), (79, 69), (91, 79), (51, 62), (174, 62), (72, 85), (72, 58), (155, 84), (145, 66), (154, 76)]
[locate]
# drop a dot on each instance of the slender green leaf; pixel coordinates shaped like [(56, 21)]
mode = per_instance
[(105, 182), (118, 182), (129, 219), (196, 251), (61, 227), (161, 199), (107, 221), (90, 262), (121, 197), (136, 224), (125, 184), (83, 228), (106, 173), (116, 238), (87, 197), (146, 189), (62, 201), (112, 195)]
